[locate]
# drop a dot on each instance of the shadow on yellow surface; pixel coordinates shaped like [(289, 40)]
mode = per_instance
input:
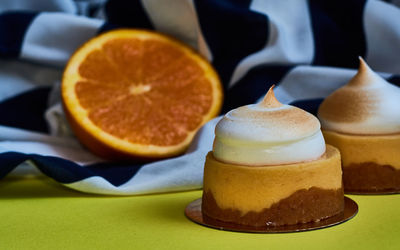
[(27, 187)]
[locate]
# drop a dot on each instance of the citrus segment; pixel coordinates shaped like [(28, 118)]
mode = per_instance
[(97, 67), (92, 95), (126, 54), (159, 56), (138, 94)]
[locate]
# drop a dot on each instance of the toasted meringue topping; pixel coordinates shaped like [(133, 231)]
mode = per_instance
[(268, 133), (366, 105)]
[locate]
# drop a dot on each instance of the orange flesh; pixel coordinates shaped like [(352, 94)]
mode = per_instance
[(143, 91)]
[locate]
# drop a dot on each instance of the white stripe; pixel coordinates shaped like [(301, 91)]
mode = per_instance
[(290, 36), (163, 15), (170, 178), (57, 122), (28, 142), (67, 6), (76, 154), (382, 32), (17, 134), (53, 37), (17, 77)]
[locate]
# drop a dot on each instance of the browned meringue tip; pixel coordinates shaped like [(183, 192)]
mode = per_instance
[(270, 100), (363, 74), (363, 67)]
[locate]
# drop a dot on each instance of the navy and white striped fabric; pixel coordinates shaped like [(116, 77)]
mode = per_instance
[(307, 48)]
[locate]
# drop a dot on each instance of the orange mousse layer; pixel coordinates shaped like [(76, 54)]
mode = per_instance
[(355, 149), (370, 162), (253, 189)]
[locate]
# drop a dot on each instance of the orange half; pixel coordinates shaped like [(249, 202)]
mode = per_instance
[(135, 94)]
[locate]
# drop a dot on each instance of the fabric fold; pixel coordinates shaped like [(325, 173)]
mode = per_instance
[(307, 51)]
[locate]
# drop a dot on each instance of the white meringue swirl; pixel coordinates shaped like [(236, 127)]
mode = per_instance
[(268, 133), (366, 105)]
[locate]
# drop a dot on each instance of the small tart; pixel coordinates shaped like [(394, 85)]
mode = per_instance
[(370, 162), (362, 119), (273, 195)]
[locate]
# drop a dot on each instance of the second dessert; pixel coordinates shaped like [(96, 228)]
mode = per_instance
[(362, 119)]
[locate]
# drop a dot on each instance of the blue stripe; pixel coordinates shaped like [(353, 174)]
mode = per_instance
[(26, 110), (309, 105), (232, 32), (109, 26), (254, 85), (66, 171), (13, 26), (122, 13), (338, 32), (395, 80), (8, 161)]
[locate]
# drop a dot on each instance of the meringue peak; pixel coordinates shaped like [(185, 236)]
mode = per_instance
[(365, 76), (268, 133), (367, 105), (270, 100)]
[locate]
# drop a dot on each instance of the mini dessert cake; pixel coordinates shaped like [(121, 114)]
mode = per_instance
[(270, 167), (362, 119)]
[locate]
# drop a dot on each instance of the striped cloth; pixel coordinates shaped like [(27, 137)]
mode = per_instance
[(307, 48)]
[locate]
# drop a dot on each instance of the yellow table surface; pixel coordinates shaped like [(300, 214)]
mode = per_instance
[(37, 213)]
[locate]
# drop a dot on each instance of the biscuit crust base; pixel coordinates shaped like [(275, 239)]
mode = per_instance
[(301, 207), (371, 177)]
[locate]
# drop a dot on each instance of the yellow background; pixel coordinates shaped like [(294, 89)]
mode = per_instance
[(37, 213)]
